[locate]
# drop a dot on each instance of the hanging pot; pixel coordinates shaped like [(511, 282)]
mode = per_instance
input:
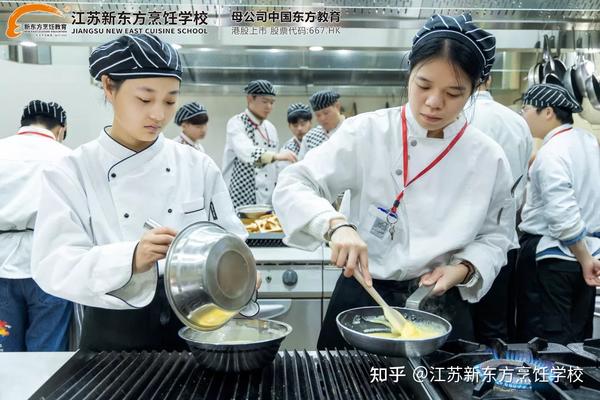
[(553, 65), (570, 85), (592, 87)]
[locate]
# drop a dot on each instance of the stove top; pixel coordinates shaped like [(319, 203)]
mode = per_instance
[(173, 375), (459, 370), (534, 370)]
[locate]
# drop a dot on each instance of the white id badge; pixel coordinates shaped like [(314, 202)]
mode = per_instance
[(379, 222), (388, 227)]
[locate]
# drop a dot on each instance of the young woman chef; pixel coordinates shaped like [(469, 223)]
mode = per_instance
[(430, 196), (89, 243)]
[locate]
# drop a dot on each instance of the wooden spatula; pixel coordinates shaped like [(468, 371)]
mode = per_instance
[(400, 325)]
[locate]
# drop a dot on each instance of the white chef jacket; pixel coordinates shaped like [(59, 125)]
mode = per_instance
[(563, 194), (185, 139), (239, 145), (315, 137), (462, 209), (93, 208), (509, 130), (22, 159)]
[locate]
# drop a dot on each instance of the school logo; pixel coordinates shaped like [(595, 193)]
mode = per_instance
[(12, 25), (4, 328)]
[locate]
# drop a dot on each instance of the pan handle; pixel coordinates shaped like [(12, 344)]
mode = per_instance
[(416, 299), (151, 224)]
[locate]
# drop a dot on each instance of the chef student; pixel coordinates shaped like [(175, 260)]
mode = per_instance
[(558, 263), (299, 117), (430, 195), (494, 314), (90, 245), (38, 321), (327, 108), (193, 120), (251, 148)]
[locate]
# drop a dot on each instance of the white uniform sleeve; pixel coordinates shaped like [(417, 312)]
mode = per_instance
[(220, 206), (303, 147), (561, 210), (241, 144), (66, 262), (306, 189), (524, 154), (495, 238)]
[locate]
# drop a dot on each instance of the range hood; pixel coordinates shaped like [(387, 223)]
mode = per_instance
[(368, 55)]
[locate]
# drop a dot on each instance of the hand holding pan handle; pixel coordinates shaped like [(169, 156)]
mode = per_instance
[(416, 299)]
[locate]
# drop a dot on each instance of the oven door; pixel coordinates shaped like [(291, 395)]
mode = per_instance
[(304, 315)]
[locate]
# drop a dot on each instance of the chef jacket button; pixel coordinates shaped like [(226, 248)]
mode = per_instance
[(398, 171), (266, 189), (168, 169), (126, 215), (413, 143), (170, 210), (113, 175)]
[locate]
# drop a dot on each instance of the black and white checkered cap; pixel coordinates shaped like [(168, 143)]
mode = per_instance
[(260, 87), (135, 56), (323, 99), (52, 110), (461, 28), (188, 111), (298, 108), (551, 95)]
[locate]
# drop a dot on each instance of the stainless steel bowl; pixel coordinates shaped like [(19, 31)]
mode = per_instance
[(240, 345), (254, 211), (354, 325), (208, 269)]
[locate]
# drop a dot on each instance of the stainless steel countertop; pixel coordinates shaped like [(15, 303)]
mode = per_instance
[(21, 374)]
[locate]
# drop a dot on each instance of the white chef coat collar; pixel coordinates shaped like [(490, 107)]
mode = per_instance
[(121, 152), (553, 132), (253, 118), (36, 129), (187, 139), (483, 95), (416, 130)]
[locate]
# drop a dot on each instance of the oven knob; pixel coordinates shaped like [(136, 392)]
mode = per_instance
[(290, 277)]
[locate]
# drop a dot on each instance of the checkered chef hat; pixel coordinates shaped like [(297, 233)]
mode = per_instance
[(300, 109), (135, 56), (323, 99), (463, 29), (51, 110), (260, 87), (188, 111), (551, 95)]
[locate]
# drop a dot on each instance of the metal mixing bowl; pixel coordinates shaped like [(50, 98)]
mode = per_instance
[(240, 345)]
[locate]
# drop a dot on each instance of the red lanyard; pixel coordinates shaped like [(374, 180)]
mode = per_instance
[(36, 133), (559, 132), (439, 158), (265, 137)]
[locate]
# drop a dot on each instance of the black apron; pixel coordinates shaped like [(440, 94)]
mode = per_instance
[(494, 314), (349, 294), (528, 289), (153, 327), (554, 301)]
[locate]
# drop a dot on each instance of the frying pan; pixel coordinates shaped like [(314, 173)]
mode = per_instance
[(355, 327)]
